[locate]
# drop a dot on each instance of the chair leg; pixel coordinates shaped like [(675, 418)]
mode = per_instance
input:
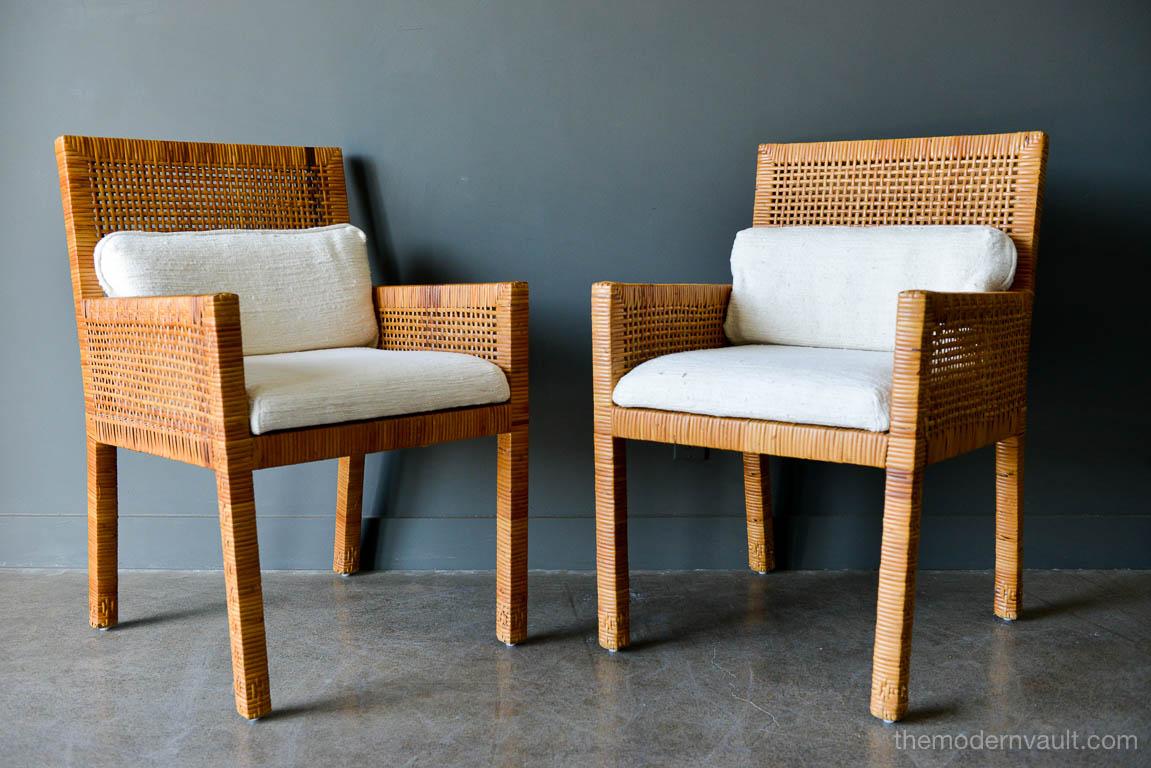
[(245, 595), (611, 541), (896, 604), (1009, 527), (512, 537), (102, 524), (349, 512), (757, 495)]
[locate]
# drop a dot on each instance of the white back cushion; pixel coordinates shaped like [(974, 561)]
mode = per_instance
[(299, 289), (839, 286)]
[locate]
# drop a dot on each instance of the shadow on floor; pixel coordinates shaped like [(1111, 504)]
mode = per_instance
[(169, 616)]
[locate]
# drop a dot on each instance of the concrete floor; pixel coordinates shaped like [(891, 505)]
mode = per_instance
[(726, 669)]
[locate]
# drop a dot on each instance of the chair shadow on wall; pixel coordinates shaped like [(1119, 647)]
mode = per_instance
[(378, 550), (427, 267), (786, 479), (369, 214), (432, 262)]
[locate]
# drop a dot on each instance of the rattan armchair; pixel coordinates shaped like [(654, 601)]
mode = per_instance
[(960, 366), (165, 375)]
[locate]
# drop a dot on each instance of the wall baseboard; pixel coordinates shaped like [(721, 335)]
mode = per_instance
[(688, 543)]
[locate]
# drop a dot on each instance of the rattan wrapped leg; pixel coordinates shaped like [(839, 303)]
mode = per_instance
[(611, 541), (349, 511), (1009, 527), (512, 538), (244, 593), (102, 523), (896, 604), (757, 495)]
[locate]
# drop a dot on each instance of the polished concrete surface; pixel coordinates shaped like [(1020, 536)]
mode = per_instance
[(727, 668)]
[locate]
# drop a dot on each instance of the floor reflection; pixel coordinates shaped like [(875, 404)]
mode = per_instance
[(508, 739)]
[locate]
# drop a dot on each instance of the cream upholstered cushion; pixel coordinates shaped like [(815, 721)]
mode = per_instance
[(328, 386), (805, 385), (839, 286), (299, 289)]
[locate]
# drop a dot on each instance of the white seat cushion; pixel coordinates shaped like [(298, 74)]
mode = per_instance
[(328, 386), (299, 288), (804, 385), (839, 286)]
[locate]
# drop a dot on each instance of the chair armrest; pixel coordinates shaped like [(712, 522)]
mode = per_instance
[(164, 374), (488, 320), (960, 375), (634, 322)]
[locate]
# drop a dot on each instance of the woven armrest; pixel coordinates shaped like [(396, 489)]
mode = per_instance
[(634, 322), (158, 370), (488, 320), (960, 375)]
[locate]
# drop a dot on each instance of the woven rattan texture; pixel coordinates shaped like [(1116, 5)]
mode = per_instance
[(163, 186), (150, 372), (639, 322), (165, 375), (349, 514), (441, 318), (993, 180), (974, 380), (187, 196), (103, 576), (757, 504), (903, 497), (298, 446), (651, 331), (959, 376), (150, 382), (1009, 526), (800, 441)]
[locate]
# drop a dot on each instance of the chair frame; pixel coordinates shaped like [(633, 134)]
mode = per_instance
[(960, 367), (165, 375)]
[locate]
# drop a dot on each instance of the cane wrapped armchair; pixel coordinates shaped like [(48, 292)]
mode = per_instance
[(165, 374), (959, 378)]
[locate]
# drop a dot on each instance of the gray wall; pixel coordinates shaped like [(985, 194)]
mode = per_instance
[(566, 142)]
